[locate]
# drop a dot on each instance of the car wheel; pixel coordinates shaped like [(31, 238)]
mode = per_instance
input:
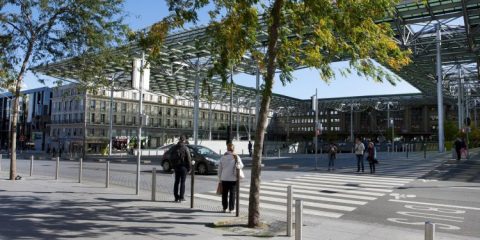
[(166, 166), (202, 169)]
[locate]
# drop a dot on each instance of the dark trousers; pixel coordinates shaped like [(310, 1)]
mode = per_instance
[(359, 162), (331, 161), (372, 166), (180, 177), (459, 153), (228, 195)]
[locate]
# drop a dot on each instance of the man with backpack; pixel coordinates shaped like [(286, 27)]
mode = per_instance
[(182, 164)]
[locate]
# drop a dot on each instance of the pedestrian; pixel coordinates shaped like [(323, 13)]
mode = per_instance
[(458, 144), (250, 147), (371, 156), (182, 164), (54, 152), (464, 149), (359, 150), (227, 174), (332, 156)]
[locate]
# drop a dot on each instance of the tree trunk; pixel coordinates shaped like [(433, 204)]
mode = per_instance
[(13, 129), (254, 198)]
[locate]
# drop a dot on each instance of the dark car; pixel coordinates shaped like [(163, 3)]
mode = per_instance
[(206, 160)]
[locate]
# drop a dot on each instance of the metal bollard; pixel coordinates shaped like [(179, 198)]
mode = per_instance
[(107, 175), (407, 150), (279, 153), (0, 162), (429, 231), (80, 170), (298, 219), (57, 169), (31, 166), (289, 210), (154, 184)]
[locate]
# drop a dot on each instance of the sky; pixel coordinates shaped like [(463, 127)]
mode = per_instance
[(143, 13)]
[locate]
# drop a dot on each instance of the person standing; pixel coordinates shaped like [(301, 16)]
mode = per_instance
[(458, 147), (182, 163), (227, 174), (250, 147), (332, 153), (371, 156), (359, 150)]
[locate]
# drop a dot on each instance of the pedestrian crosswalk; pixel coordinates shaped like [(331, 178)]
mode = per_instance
[(323, 194)]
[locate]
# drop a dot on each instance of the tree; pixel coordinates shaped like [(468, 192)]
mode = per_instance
[(451, 130), (34, 32), (311, 33)]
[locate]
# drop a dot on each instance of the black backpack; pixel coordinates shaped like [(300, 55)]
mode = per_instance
[(177, 155)]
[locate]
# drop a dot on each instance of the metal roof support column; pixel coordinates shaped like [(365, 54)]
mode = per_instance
[(140, 122), (441, 137), (460, 98), (238, 120), (196, 104), (210, 121), (230, 114), (111, 119)]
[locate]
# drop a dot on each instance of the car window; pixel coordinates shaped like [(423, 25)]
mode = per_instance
[(206, 152)]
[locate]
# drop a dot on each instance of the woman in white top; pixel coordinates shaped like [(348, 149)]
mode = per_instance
[(227, 174)]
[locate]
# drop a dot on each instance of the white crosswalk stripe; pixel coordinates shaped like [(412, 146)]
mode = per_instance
[(324, 194)]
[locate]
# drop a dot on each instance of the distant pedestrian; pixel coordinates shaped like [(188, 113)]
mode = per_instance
[(458, 144), (54, 152), (227, 174), (250, 148), (371, 156), (332, 153), (182, 164), (359, 150)]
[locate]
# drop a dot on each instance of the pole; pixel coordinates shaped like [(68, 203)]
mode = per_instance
[(475, 112), (289, 210), (80, 170), (459, 98), (154, 184), (315, 107), (107, 175), (85, 119), (57, 168), (196, 104), (298, 219), (140, 121), (230, 121), (111, 119), (237, 195), (351, 123), (429, 231), (210, 122), (192, 184), (31, 165), (238, 120), (441, 136), (424, 151)]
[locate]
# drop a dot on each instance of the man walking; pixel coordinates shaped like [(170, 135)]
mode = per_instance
[(359, 150), (182, 163)]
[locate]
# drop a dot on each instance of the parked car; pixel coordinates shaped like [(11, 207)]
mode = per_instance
[(206, 160)]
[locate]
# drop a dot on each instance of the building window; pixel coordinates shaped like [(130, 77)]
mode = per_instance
[(123, 120), (175, 112), (115, 107), (102, 118), (134, 120), (115, 119), (92, 117), (92, 104), (168, 111), (103, 105), (134, 96)]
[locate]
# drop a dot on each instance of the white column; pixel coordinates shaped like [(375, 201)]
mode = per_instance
[(441, 136)]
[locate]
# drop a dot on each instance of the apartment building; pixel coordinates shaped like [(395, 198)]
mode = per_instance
[(168, 117)]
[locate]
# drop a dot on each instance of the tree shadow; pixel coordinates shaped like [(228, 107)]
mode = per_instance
[(40, 217)]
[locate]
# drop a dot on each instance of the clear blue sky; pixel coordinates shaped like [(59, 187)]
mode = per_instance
[(143, 13)]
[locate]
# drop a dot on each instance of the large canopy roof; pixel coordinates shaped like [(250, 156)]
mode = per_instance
[(185, 56)]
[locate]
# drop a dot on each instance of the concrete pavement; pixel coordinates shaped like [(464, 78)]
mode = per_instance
[(42, 208)]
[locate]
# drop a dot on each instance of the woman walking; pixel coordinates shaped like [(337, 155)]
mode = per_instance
[(332, 156), (372, 155), (227, 174)]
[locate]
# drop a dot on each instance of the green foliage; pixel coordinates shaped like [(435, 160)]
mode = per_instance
[(451, 130)]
